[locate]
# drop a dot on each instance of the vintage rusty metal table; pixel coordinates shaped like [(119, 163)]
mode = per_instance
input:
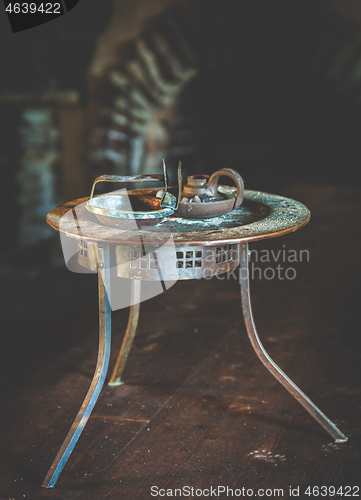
[(176, 248)]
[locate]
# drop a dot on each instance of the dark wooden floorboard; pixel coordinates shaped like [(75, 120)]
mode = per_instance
[(198, 408)]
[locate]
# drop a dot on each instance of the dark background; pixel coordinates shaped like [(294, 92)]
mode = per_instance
[(269, 88)]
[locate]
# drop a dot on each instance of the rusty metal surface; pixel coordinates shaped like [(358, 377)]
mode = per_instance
[(116, 210), (99, 375), (201, 198), (261, 216), (116, 377), (164, 262), (167, 263), (268, 362)]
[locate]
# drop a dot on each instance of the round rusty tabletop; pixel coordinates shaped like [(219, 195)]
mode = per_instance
[(260, 216)]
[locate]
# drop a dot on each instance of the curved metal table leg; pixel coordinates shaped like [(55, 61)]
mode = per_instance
[(99, 375), (269, 363), (116, 378)]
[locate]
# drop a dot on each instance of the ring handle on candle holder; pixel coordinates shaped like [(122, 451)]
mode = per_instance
[(212, 184)]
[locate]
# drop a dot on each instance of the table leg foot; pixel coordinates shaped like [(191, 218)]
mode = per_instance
[(116, 377), (292, 388), (99, 375)]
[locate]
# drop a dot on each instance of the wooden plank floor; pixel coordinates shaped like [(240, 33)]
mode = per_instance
[(198, 409)]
